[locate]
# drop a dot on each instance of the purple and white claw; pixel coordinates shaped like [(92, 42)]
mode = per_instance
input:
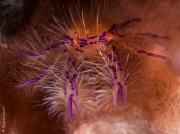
[(119, 89), (70, 101), (119, 76), (70, 86)]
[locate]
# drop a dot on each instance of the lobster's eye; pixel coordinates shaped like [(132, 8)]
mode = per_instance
[(109, 36), (75, 41)]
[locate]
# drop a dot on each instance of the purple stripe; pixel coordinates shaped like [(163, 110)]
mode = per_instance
[(154, 35), (128, 22), (125, 24), (93, 37), (113, 29), (32, 54), (69, 40), (102, 36), (77, 107), (70, 106), (82, 45), (103, 40), (116, 96), (123, 94), (48, 48), (33, 80), (150, 54), (83, 40), (74, 84)]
